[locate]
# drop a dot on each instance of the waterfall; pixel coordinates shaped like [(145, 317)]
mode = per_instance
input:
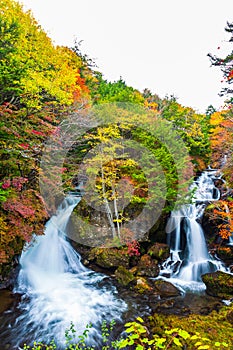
[(57, 289), (189, 256)]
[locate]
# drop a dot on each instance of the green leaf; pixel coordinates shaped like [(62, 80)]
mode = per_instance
[(128, 324), (130, 329), (184, 334), (142, 330), (194, 337), (160, 341), (144, 340), (123, 343), (140, 319), (177, 342), (140, 347), (171, 331), (225, 344), (134, 336), (202, 347), (198, 343)]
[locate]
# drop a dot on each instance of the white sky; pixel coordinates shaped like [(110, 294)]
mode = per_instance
[(157, 44)]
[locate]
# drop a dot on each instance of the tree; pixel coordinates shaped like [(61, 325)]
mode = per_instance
[(116, 91), (226, 66), (32, 69), (137, 165)]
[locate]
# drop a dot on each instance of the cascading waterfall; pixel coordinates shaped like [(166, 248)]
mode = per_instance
[(189, 256), (57, 289)]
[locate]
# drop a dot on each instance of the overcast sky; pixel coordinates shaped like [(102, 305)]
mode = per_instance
[(157, 44)]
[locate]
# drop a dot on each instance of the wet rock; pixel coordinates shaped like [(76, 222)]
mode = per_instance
[(148, 267), (143, 285), (6, 300), (166, 289), (159, 251), (124, 276), (109, 257), (165, 304), (8, 277), (219, 284)]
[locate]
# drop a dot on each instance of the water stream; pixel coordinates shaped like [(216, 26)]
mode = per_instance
[(189, 256)]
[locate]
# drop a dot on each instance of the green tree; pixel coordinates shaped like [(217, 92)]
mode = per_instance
[(32, 69)]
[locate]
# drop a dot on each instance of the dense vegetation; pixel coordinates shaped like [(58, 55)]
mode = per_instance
[(157, 332), (41, 84)]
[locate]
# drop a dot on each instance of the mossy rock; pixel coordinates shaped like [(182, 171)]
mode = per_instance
[(143, 285), (148, 267), (219, 284), (124, 276), (109, 257), (166, 289), (213, 326), (159, 251)]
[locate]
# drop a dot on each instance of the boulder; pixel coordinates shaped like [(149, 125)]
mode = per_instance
[(109, 257), (143, 285), (219, 284), (124, 276), (159, 251), (166, 289), (148, 267)]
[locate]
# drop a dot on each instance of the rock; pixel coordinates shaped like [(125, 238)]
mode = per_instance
[(124, 276), (109, 257), (148, 267), (143, 286), (166, 289), (9, 276), (159, 251), (218, 284), (164, 304), (6, 300)]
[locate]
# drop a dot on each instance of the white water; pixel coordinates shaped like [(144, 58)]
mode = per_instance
[(58, 289), (189, 257)]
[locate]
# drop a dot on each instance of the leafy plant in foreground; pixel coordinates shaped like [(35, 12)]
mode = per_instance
[(137, 337)]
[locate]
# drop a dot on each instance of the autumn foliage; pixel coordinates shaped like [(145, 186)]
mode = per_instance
[(40, 84), (38, 81)]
